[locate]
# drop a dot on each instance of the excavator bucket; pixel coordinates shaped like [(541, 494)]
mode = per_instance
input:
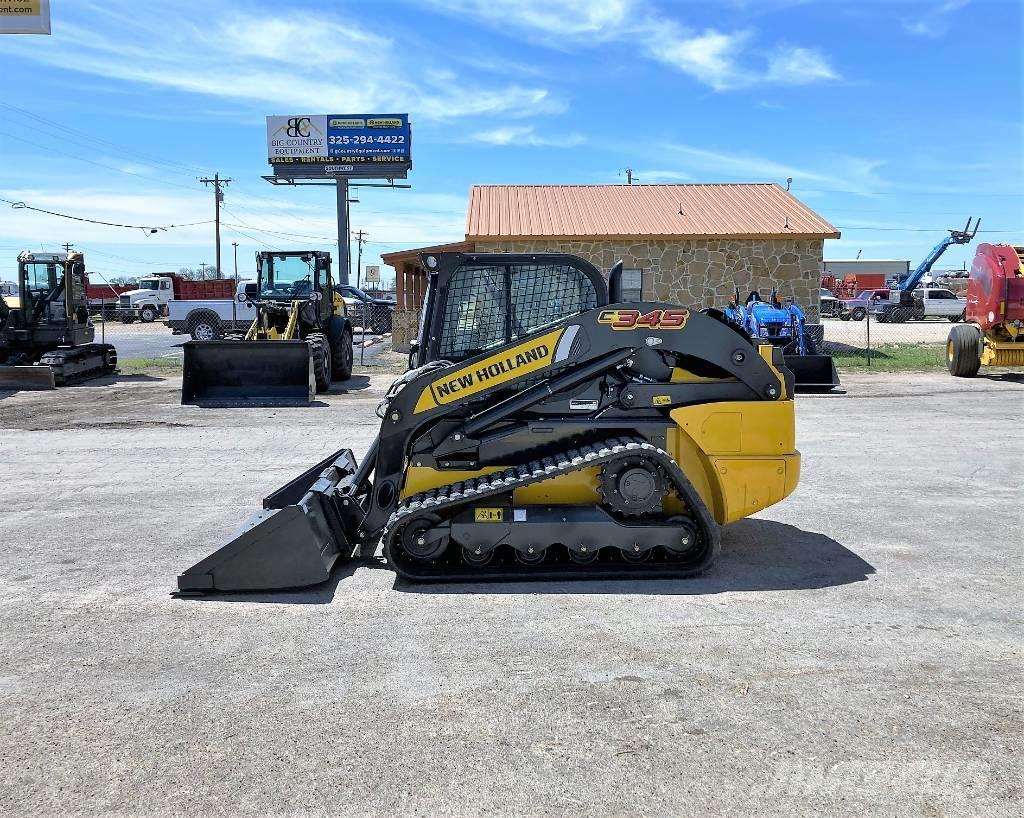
[(247, 373), (813, 373), (294, 542)]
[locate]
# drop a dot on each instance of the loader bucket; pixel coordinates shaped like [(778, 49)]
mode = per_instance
[(813, 373), (288, 547), (247, 373)]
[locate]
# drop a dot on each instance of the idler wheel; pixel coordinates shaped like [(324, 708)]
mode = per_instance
[(421, 541)]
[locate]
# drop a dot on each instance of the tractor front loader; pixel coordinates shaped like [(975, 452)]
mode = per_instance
[(784, 326), (547, 430), (299, 341)]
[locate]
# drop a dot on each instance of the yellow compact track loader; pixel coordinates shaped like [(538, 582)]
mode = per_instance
[(299, 341), (547, 431)]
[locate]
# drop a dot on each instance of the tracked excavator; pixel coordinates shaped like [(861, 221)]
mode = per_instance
[(47, 338), (547, 430)]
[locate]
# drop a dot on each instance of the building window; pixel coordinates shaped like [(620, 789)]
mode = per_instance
[(632, 285)]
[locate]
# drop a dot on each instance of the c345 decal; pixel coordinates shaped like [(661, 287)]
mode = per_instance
[(634, 319)]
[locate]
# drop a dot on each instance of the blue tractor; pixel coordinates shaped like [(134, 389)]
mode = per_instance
[(785, 326)]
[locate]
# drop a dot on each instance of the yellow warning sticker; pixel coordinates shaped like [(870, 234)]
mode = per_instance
[(661, 400), (487, 515)]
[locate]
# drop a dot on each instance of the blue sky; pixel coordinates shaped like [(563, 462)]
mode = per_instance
[(896, 120)]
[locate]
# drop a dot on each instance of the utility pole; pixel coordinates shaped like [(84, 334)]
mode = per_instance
[(235, 245), (218, 197), (629, 175), (68, 247), (360, 240), (341, 190), (202, 270)]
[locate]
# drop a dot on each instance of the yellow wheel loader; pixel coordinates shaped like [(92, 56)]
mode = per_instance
[(548, 430), (299, 341)]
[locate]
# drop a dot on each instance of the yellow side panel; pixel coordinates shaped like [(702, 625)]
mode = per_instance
[(423, 478), (740, 456), (751, 427), (750, 484), (578, 488)]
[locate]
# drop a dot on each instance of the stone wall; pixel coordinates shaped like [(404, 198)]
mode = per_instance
[(404, 325), (700, 273)]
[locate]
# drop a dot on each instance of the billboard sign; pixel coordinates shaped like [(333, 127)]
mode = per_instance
[(373, 273), (24, 16), (328, 145)]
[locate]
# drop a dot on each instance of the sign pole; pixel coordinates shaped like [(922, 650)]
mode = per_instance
[(343, 249)]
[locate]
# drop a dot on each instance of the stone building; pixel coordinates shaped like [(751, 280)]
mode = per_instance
[(686, 244)]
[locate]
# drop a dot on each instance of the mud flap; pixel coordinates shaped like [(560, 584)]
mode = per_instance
[(813, 372), (247, 373), (292, 546)]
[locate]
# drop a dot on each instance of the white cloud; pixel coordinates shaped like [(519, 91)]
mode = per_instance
[(849, 174), (723, 60), (935, 21), (526, 135), (298, 61), (653, 176), (710, 56), (592, 19), (799, 66)]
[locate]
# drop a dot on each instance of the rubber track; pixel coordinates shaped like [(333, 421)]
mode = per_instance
[(56, 359), (535, 471)]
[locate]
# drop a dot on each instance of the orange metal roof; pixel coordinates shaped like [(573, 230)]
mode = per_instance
[(640, 211), (412, 254)]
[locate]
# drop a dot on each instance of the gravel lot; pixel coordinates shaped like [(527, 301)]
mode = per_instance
[(857, 648), (854, 333)]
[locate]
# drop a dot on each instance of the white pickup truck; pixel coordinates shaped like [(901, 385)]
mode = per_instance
[(208, 318), (937, 302)]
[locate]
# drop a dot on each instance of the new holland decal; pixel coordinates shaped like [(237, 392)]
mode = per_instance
[(634, 319), (507, 365)]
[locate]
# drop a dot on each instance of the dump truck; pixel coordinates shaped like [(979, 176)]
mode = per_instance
[(47, 338), (547, 430), (299, 341), (993, 335)]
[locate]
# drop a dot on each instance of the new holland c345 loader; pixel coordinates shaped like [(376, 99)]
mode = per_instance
[(547, 430)]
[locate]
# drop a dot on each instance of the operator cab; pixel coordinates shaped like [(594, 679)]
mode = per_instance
[(473, 305)]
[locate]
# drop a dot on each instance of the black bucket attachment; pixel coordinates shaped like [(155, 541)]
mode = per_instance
[(286, 546), (813, 373), (247, 373)]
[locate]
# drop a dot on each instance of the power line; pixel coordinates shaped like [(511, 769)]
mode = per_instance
[(146, 228), (98, 164), (145, 158), (914, 229)]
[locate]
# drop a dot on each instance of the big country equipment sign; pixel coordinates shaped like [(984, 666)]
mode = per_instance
[(343, 139), (24, 16)]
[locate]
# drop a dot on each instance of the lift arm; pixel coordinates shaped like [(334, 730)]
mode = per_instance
[(964, 236)]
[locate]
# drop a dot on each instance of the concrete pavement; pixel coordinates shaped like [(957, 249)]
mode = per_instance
[(857, 649)]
